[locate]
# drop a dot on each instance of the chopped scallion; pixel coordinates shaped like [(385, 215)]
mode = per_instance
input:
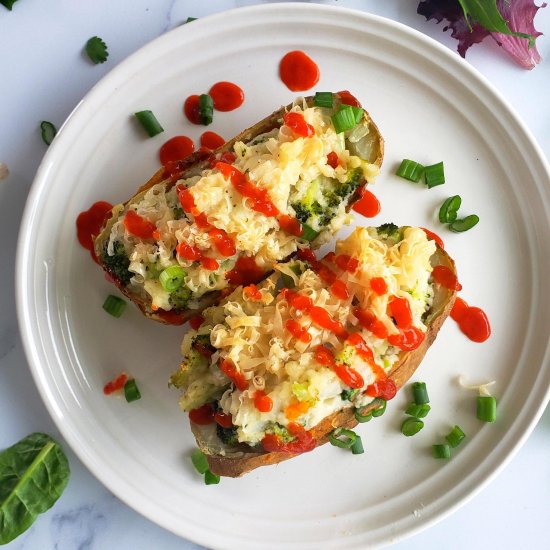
[(357, 447), (114, 305), (358, 112), (323, 99), (206, 109), (420, 411), (149, 122), (189, 19), (362, 417), (455, 437), (308, 233), (199, 461), (210, 478), (172, 278), (349, 395), (343, 438), (8, 3), (379, 407), (441, 451), (48, 131), (344, 119), (459, 226), (131, 391), (420, 393), (434, 175), (486, 408), (411, 426), (410, 170), (97, 50), (449, 209)]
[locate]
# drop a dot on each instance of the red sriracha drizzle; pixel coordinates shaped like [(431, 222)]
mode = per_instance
[(236, 376), (297, 123), (473, 321), (223, 420), (90, 222), (368, 321), (378, 285), (434, 237), (298, 331), (445, 277), (258, 197), (176, 149), (368, 205), (211, 140), (138, 226), (298, 71), (226, 96), (246, 271), (347, 99), (223, 242), (191, 109), (116, 384), (290, 225), (332, 159), (196, 321), (253, 292), (202, 415), (262, 402), (400, 310), (348, 375), (302, 443)]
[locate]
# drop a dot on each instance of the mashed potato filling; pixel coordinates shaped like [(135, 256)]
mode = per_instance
[(272, 339)]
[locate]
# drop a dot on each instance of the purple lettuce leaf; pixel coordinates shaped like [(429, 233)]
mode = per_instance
[(518, 13)]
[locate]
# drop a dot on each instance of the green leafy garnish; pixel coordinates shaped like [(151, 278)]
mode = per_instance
[(48, 131), (97, 50), (33, 474), (8, 3)]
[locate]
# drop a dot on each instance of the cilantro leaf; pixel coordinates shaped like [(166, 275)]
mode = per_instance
[(97, 50)]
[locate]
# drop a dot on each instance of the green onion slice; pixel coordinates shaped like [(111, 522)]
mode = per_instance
[(357, 447), (410, 170), (308, 233), (149, 122), (131, 391), (343, 438), (189, 19), (114, 305), (449, 209), (48, 131), (434, 175), (344, 119), (172, 278), (486, 408), (349, 394), (358, 112), (206, 109), (420, 393), (455, 437), (8, 3), (379, 407), (459, 226), (411, 426), (441, 451), (287, 280), (210, 478), (323, 99), (199, 461), (97, 50), (362, 417), (420, 411)]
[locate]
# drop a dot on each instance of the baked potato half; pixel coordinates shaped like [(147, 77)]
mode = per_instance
[(276, 367), (214, 220)]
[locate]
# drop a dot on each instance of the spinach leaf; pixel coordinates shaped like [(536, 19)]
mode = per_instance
[(33, 474)]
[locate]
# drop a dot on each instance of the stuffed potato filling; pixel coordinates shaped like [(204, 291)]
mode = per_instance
[(254, 206), (312, 339)]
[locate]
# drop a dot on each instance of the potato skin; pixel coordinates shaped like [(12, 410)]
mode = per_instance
[(245, 461), (193, 165)]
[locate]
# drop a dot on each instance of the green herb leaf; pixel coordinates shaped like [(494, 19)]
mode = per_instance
[(33, 474), (8, 4), (97, 50), (485, 12), (48, 131)]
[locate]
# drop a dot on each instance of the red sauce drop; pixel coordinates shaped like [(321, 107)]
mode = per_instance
[(298, 331), (307, 255), (236, 376), (203, 350), (340, 290), (348, 99), (298, 71), (194, 254), (349, 376), (473, 321), (408, 339), (368, 205), (262, 402), (400, 310), (226, 96), (333, 160), (431, 235), (368, 321), (138, 226), (303, 442), (253, 292), (211, 140), (176, 149), (346, 263), (445, 277), (325, 274), (223, 420), (385, 389), (202, 415), (116, 384), (324, 356), (224, 244), (196, 321), (290, 225), (90, 222), (246, 271), (258, 197), (171, 317), (356, 340), (191, 109), (378, 285), (324, 319), (297, 123)]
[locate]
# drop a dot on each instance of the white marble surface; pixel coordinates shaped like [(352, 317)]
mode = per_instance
[(43, 75)]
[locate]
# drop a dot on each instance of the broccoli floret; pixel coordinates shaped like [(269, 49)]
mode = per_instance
[(280, 431), (389, 231), (347, 188), (201, 342), (227, 435), (345, 355), (349, 395), (178, 298), (118, 263), (178, 213), (302, 213)]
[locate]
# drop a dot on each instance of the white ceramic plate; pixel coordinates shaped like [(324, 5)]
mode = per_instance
[(430, 106)]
